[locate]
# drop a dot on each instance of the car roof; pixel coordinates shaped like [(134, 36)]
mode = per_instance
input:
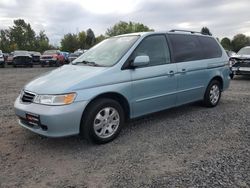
[(176, 32)]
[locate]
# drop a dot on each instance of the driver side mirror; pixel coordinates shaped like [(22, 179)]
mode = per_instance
[(142, 60)]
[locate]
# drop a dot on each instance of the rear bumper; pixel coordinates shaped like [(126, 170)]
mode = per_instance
[(59, 121)]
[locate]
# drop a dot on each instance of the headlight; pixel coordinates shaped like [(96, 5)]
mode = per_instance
[(55, 99), (54, 58), (232, 62)]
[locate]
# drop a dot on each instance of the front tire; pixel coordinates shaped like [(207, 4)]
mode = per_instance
[(213, 94), (231, 76), (102, 121)]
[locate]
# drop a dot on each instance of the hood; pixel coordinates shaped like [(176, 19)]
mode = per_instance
[(63, 79), (241, 56), (21, 55)]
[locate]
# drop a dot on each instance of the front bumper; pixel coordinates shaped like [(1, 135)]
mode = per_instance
[(240, 70), (60, 120), (47, 62)]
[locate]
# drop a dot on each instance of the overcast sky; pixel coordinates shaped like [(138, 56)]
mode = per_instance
[(59, 17)]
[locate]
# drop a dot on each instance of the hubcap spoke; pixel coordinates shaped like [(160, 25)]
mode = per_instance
[(98, 126), (106, 112)]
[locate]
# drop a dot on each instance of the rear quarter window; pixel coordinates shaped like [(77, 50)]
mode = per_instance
[(211, 48), (185, 47)]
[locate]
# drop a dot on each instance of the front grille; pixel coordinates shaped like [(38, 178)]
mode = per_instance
[(22, 60), (242, 63), (35, 58), (46, 57), (27, 97)]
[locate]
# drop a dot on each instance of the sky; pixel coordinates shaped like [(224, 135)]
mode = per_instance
[(224, 18)]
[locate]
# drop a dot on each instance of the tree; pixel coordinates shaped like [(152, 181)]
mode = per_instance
[(5, 41), (22, 35), (124, 27), (239, 41), (69, 43), (100, 38), (82, 39), (42, 42), (90, 39), (205, 31), (226, 43)]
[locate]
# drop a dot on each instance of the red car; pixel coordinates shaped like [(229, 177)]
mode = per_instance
[(52, 58)]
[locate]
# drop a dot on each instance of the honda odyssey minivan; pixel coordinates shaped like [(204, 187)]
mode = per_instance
[(121, 78)]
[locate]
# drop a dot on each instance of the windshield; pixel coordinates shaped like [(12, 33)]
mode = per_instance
[(244, 51), (50, 52), (1, 52), (108, 52)]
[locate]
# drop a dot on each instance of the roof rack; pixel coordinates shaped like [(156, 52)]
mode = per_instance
[(180, 30)]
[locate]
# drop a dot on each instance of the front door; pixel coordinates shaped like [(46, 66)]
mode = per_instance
[(153, 86)]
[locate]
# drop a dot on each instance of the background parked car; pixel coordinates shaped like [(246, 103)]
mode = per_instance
[(2, 62), (5, 56), (240, 63), (9, 59), (35, 57), (75, 55), (52, 58), (22, 58), (230, 53), (66, 56)]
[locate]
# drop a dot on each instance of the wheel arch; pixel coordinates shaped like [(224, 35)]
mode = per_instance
[(115, 96), (219, 79)]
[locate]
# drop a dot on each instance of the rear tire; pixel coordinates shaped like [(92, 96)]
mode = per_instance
[(213, 94), (102, 121)]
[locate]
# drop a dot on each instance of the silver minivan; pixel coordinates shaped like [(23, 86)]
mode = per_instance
[(121, 78)]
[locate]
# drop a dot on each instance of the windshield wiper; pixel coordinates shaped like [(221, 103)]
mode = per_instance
[(90, 63)]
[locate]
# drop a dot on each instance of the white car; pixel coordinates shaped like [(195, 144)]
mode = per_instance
[(240, 63)]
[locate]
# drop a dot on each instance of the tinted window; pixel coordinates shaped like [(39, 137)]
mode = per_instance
[(210, 47), (156, 48), (185, 47)]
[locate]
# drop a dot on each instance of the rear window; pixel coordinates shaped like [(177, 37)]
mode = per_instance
[(185, 47), (210, 47), (192, 47)]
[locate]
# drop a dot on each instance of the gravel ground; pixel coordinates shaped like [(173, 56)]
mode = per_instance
[(189, 146)]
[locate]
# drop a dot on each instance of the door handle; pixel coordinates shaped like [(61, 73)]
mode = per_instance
[(171, 73), (183, 71)]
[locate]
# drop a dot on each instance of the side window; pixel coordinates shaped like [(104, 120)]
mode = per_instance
[(156, 48), (210, 47), (185, 47)]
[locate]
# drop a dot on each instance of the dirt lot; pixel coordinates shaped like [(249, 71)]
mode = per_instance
[(189, 146)]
